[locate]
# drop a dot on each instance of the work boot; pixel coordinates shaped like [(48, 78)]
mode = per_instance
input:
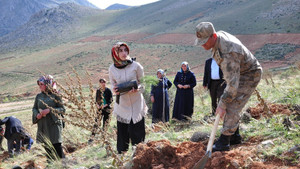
[(222, 144), (236, 138)]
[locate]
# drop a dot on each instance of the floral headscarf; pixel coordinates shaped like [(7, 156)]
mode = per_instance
[(115, 55), (48, 81), (187, 66)]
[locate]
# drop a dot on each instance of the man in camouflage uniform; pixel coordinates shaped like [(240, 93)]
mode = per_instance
[(242, 73)]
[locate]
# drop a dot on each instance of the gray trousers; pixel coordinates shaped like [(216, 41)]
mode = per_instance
[(247, 85)]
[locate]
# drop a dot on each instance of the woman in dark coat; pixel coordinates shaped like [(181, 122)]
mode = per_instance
[(49, 125), (185, 81), (160, 98)]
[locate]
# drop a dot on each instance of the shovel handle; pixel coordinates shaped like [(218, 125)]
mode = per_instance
[(213, 134)]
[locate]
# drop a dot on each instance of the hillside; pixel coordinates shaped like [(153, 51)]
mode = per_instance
[(14, 13), (250, 17), (270, 138), (160, 35), (47, 26), (82, 37), (117, 7)]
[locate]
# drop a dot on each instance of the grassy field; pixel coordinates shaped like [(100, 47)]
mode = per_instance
[(159, 39), (285, 90)]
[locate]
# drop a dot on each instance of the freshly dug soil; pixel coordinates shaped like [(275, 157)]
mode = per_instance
[(162, 155)]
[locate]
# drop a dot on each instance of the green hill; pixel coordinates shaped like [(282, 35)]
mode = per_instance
[(160, 35)]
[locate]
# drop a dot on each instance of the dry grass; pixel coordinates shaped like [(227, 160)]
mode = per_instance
[(84, 112)]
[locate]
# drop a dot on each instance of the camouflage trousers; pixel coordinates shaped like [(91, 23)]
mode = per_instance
[(247, 85)]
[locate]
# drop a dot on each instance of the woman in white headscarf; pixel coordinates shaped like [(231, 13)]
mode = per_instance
[(160, 98), (185, 81)]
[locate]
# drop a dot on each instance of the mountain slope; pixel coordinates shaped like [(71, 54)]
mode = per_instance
[(14, 13), (117, 7), (47, 26), (169, 16), (160, 35), (240, 17)]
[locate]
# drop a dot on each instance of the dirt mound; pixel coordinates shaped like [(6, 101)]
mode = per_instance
[(161, 154), (30, 164), (258, 111), (3, 156)]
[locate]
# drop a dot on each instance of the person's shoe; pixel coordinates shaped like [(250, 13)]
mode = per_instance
[(222, 144), (236, 138)]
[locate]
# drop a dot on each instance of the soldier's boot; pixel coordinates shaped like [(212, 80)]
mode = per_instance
[(236, 138), (222, 144)]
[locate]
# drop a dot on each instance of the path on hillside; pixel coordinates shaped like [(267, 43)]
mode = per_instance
[(15, 107)]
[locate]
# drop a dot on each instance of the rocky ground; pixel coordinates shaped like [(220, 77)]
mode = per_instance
[(162, 154)]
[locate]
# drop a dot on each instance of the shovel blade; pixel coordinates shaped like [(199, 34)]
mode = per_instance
[(201, 163)]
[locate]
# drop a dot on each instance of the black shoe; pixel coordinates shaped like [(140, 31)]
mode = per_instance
[(222, 144), (236, 138)]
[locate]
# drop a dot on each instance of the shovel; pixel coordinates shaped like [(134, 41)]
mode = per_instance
[(201, 163)]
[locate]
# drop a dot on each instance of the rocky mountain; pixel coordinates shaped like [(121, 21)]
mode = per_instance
[(117, 7), (161, 35), (46, 26), (14, 13), (61, 24)]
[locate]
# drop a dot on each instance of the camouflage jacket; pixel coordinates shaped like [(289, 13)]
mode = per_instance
[(235, 60)]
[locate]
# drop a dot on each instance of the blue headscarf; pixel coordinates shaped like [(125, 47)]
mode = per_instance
[(162, 72)]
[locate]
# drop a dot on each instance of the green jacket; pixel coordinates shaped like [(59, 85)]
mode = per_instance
[(49, 126)]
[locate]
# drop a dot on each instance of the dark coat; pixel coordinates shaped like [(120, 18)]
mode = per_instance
[(109, 99), (157, 107), (50, 126), (107, 95), (12, 125), (207, 73), (184, 100)]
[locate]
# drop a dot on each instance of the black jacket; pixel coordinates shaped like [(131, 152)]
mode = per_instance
[(107, 95), (207, 73), (12, 125)]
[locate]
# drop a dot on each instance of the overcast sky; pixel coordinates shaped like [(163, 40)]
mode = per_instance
[(102, 4)]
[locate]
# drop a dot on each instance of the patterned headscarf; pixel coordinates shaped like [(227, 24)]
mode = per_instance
[(48, 81), (115, 55), (187, 66)]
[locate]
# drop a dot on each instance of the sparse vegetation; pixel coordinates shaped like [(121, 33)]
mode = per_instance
[(158, 39), (275, 51), (82, 154)]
